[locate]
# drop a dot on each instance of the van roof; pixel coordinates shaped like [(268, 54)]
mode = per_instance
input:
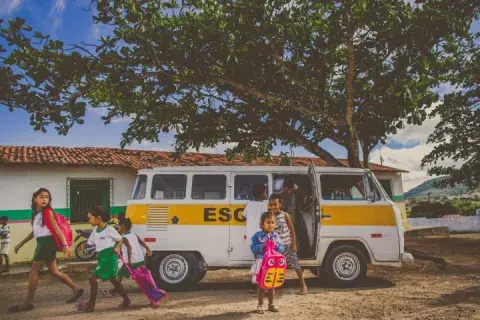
[(264, 169)]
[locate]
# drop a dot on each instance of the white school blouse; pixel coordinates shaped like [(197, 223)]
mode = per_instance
[(104, 239), (39, 229), (137, 254)]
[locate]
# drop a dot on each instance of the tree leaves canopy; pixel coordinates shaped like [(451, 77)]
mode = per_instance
[(251, 72)]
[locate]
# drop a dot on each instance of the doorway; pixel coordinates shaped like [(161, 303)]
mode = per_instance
[(86, 194)]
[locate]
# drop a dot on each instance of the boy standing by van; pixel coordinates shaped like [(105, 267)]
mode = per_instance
[(286, 231)]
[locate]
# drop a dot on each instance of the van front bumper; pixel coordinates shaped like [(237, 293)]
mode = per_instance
[(407, 257)]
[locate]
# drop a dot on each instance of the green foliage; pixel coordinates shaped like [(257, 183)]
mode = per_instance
[(250, 72), (435, 209), (432, 209), (466, 207)]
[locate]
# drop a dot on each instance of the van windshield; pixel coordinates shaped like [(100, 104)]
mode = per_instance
[(346, 187), (140, 189)]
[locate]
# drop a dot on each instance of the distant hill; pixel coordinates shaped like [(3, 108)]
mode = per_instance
[(427, 187)]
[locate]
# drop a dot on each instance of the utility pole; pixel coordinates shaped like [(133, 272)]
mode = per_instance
[(381, 158)]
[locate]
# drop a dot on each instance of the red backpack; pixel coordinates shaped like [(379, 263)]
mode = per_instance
[(63, 224)]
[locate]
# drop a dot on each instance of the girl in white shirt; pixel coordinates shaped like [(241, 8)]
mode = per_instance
[(107, 242), (45, 253)]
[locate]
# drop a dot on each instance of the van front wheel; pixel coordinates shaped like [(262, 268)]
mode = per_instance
[(175, 271), (345, 266)]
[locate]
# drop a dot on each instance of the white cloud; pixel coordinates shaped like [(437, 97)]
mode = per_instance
[(9, 6), (219, 148), (413, 134), (55, 15), (410, 158)]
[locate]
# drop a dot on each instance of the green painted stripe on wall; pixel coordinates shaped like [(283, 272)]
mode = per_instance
[(26, 214), (116, 210), (398, 198)]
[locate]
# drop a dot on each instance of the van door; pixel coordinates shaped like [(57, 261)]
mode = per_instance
[(310, 218), (241, 194), (354, 209)]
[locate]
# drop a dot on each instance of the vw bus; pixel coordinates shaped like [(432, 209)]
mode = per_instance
[(191, 217)]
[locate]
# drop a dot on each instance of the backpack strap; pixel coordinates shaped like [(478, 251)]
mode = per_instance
[(46, 222)]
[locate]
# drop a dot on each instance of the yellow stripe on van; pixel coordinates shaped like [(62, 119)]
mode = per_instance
[(374, 215), (137, 213), (191, 214), (341, 215)]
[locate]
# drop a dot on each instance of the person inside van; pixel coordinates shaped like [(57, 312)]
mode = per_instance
[(293, 197)]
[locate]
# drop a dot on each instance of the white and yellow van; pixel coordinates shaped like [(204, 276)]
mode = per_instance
[(191, 217)]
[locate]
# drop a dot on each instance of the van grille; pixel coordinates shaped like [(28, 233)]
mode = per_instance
[(157, 218)]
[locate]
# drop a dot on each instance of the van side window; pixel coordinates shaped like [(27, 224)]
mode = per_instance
[(169, 186), (209, 187), (244, 184), (140, 188), (344, 188)]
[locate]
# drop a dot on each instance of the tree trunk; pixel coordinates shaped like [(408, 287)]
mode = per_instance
[(352, 138), (366, 155)]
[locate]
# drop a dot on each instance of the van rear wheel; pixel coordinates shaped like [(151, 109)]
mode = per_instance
[(175, 271), (345, 266)]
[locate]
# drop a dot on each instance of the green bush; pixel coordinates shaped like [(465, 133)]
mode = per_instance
[(425, 209)]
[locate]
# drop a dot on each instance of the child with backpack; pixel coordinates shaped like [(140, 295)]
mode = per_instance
[(267, 224), (45, 230), (131, 251), (107, 242)]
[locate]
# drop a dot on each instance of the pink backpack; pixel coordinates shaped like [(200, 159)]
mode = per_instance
[(274, 266), (63, 224)]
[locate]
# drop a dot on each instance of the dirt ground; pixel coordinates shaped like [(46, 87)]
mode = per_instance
[(417, 291)]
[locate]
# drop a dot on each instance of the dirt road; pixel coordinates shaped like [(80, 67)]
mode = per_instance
[(419, 291)]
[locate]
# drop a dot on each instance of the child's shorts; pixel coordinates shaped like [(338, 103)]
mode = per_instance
[(5, 248), (107, 264), (46, 249), (255, 269), (123, 272)]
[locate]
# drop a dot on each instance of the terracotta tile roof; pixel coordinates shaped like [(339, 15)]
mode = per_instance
[(136, 159)]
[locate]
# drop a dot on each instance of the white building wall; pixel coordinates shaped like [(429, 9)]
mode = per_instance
[(396, 178), (454, 224), (17, 183)]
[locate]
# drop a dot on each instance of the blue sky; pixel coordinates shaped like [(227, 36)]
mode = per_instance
[(67, 20)]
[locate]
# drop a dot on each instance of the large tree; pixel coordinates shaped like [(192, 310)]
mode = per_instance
[(251, 72), (457, 136)]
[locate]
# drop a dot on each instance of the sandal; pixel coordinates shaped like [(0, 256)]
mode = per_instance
[(76, 296), (20, 308), (125, 304), (260, 309), (303, 291), (272, 308), (84, 307)]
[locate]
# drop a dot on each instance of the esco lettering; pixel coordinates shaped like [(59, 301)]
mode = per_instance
[(223, 215)]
